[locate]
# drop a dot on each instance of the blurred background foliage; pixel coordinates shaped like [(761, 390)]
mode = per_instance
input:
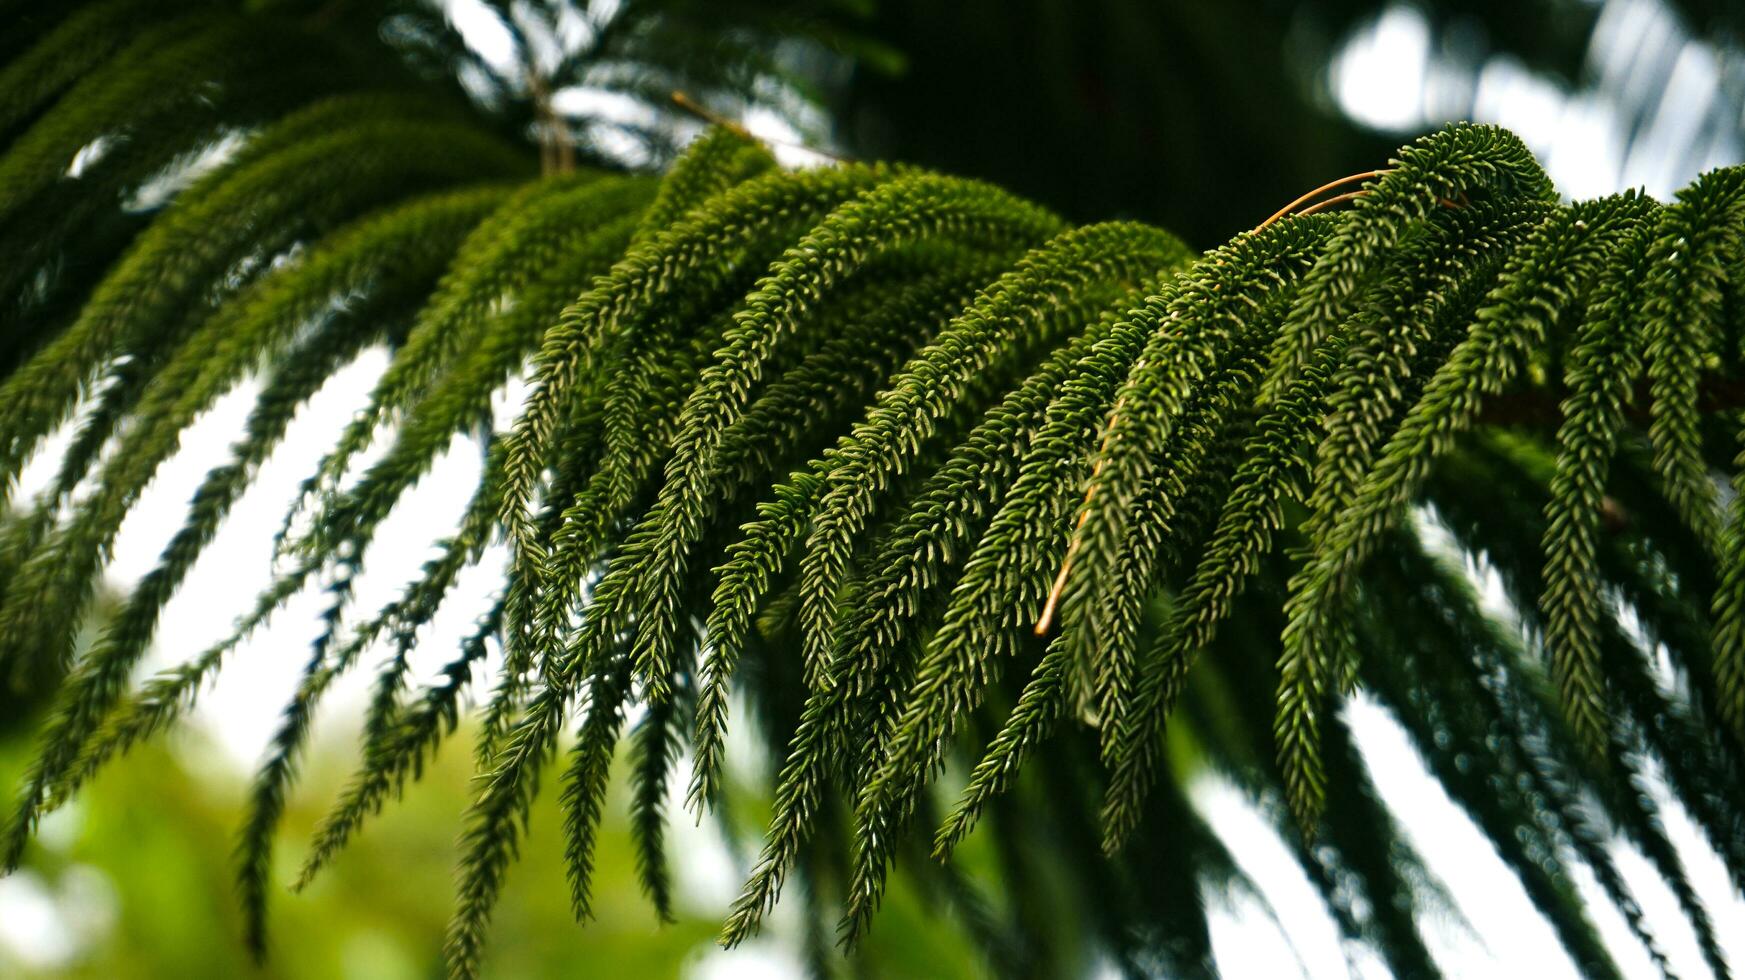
[(133, 881), (1206, 116), (1200, 116)]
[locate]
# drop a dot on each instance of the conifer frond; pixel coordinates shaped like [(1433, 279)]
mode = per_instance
[(1601, 376), (411, 242), (840, 440), (1694, 249), (1729, 607), (682, 264), (463, 349), (98, 679), (67, 52), (254, 211), (490, 268), (1461, 161), (1373, 383), (903, 213)]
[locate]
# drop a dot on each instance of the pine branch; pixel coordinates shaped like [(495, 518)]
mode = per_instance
[(872, 427)]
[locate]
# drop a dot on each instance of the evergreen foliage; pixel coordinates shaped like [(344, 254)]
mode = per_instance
[(967, 502)]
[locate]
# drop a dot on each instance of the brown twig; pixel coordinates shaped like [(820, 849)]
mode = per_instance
[(707, 115), (1046, 620), (1534, 408), (1287, 209), (702, 112), (556, 153), (1329, 202)]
